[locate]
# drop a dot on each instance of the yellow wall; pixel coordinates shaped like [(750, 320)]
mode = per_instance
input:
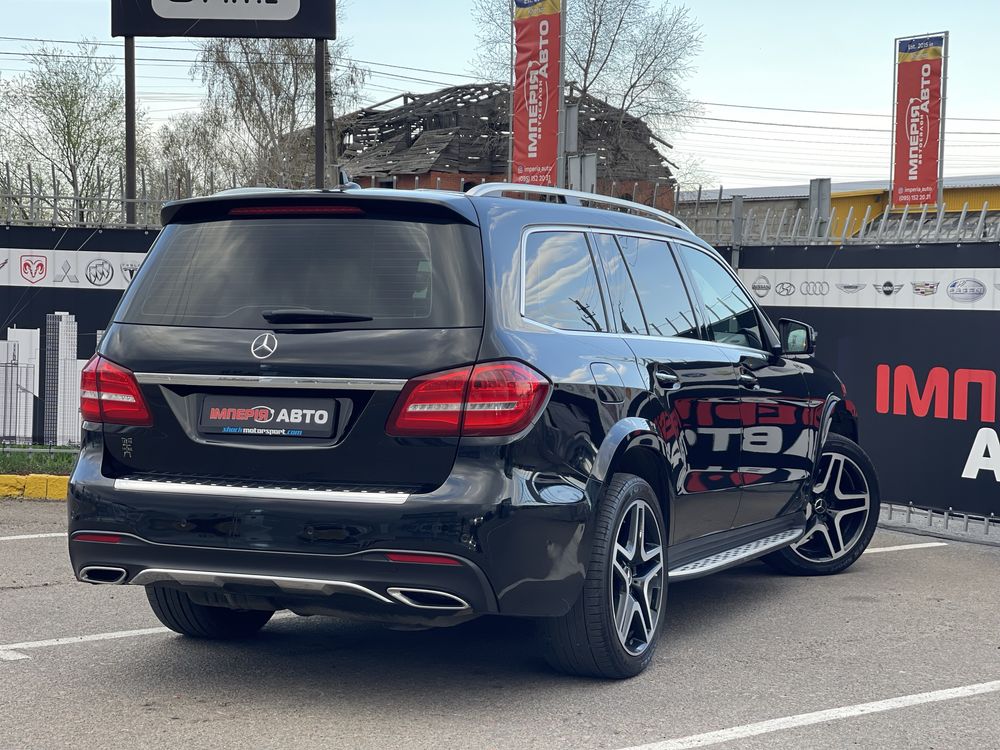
[(859, 201)]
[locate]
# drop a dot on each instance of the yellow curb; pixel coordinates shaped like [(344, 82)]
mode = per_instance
[(34, 486)]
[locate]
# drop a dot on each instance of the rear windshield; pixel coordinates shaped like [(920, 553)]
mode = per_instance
[(226, 274)]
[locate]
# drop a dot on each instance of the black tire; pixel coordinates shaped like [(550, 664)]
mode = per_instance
[(586, 641), (807, 557), (176, 610)]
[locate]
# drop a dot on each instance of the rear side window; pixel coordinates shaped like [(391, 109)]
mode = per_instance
[(625, 309), (661, 290), (226, 274), (560, 283)]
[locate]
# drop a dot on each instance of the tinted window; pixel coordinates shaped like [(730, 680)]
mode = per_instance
[(225, 274), (560, 282), (625, 307), (661, 290), (731, 315)]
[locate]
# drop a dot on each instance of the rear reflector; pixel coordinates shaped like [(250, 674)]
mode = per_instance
[(489, 400), (420, 559), (296, 211), (97, 538), (110, 393)]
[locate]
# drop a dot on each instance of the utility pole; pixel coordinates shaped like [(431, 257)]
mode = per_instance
[(332, 134)]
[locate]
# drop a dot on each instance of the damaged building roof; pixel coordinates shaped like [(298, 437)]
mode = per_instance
[(464, 129)]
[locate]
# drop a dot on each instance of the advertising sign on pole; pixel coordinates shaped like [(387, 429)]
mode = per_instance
[(305, 19), (537, 90), (918, 119)]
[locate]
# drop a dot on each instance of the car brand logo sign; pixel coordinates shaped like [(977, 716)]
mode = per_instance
[(967, 290), (761, 286), (785, 289), (100, 272), (925, 288), (129, 271), (264, 346), (66, 274), (34, 268), (3, 264), (851, 288), (888, 288), (814, 288), (272, 10)]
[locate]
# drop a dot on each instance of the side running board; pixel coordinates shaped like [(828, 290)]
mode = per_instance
[(735, 556)]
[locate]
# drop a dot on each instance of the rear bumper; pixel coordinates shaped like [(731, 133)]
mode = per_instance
[(516, 554)]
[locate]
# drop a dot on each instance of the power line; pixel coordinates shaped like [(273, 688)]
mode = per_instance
[(833, 112)]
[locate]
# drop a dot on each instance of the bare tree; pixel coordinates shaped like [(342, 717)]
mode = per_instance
[(632, 54), (264, 90), (64, 122)]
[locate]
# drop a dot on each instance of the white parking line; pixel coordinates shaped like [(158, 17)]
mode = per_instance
[(22, 537), (819, 717), (898, 548)]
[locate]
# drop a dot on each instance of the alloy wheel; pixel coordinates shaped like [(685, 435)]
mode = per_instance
[(637, 577), (837, 512)]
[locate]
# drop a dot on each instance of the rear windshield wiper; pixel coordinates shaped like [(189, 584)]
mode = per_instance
[(306, 315)]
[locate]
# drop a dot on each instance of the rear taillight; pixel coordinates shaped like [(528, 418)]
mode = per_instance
[(489, 400), (110, 393)]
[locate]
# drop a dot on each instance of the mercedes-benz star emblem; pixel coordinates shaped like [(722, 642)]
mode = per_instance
[(264, 346)]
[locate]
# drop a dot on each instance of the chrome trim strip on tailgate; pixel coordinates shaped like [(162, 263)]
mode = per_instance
[(289, 585), (262, 493), (264, 381)]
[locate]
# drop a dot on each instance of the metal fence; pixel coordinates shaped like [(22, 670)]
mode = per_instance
[(735, 225)]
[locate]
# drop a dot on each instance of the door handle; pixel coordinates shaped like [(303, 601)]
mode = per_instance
[(667, 379), (749, 380)]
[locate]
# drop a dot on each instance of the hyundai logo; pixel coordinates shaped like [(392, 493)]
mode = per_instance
[(785, 289), (264, 346)]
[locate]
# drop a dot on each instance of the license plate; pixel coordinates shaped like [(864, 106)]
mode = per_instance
[(268, 417)]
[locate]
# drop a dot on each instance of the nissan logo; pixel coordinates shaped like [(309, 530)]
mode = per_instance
[(761, 286), (264, 346), (814, 288), (785, 289)]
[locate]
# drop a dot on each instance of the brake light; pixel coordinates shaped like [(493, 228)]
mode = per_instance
[(110, 393), (489, 400), (295, 211)]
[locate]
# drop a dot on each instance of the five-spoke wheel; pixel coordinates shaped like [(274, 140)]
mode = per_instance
[(637, 577)]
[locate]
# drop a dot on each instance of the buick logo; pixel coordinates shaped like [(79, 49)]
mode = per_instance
[(761, 286), (100, 272), (888, 288), (814, 288), (785, 289), (264, 346), (851, 288), (967, 290)]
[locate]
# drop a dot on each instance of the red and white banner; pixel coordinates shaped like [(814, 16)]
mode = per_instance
[(537, 84), (920, 71)]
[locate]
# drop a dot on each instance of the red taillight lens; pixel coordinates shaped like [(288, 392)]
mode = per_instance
[(488, 400), (110, 393), (98, 538), (503, 398), (419, 558)]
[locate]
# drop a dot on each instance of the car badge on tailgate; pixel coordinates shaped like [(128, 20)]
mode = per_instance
[(264, 346)]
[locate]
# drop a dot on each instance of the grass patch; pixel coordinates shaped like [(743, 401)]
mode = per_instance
[(39, 461)]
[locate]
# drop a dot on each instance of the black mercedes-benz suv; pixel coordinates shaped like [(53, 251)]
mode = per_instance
[(420, 407)]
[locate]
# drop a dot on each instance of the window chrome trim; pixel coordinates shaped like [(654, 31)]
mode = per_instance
[(265, 381), (259, 493)]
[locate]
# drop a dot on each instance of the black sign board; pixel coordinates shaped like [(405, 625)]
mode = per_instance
[(303, 19)]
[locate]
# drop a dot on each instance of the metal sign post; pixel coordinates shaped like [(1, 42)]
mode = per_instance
[(274, 19)]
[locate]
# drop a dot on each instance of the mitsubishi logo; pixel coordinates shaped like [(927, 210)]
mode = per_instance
[(264, 346)]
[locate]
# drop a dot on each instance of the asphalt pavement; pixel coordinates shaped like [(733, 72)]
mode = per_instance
[(902, 651)]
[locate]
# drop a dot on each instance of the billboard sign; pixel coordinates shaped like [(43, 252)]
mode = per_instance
[(537, 91), (918, 119), (306, 19)]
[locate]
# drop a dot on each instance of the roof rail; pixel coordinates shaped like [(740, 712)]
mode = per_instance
[(578, 198)]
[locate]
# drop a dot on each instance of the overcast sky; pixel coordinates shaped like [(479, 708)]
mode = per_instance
[(783, 54)]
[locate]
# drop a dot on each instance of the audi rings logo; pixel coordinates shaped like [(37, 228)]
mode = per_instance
[(814, 288), (785, 289), (264, 346)]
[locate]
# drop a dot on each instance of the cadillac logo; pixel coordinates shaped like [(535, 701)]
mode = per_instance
[(264, 346)]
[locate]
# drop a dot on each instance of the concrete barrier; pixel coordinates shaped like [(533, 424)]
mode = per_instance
[(33, 486)]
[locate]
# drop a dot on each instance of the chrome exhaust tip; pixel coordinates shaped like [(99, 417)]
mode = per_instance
[(101, 575), (429, 599)]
